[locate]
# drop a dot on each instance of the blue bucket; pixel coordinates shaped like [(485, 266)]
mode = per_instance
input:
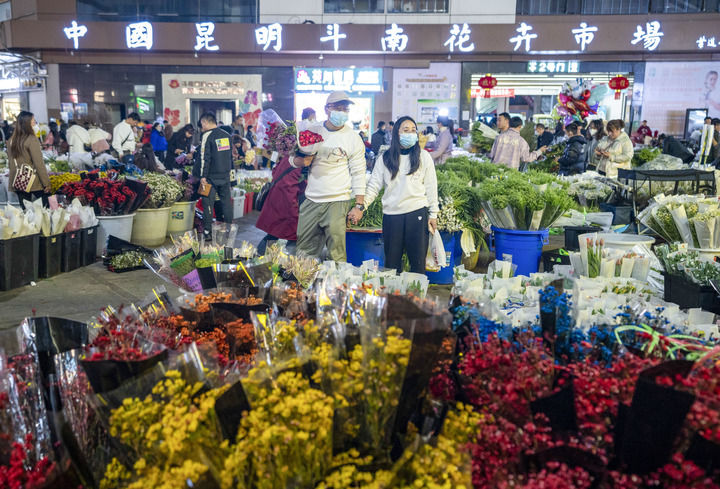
[(364, 245), (524, 246), (453, 252)]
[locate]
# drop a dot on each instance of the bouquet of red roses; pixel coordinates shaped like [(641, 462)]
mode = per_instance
[(108, 197), (308, 138)]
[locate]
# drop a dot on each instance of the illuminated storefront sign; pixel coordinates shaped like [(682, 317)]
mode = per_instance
[(477, 92), (650, 36), (139, 35), (75, 32), (553, 66), (331, 79)]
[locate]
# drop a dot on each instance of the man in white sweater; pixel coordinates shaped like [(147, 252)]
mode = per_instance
[(337, 173), (124, 136)]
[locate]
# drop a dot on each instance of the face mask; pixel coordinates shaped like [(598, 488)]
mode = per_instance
[(338, 118), (36, 128), (408, 139), (593, 132)]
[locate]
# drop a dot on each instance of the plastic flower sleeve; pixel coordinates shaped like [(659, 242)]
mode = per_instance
[(681, 223)]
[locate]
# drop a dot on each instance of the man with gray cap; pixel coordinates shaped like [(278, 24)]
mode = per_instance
[(337, 173)]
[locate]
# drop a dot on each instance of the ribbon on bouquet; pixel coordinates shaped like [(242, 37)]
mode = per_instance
[(676, 342)]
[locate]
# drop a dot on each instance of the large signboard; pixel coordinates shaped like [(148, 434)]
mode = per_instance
[(672, 87)]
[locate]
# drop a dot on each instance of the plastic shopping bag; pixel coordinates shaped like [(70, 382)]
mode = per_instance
[(436, 258)]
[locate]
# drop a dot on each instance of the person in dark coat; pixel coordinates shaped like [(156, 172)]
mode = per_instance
[(279, 215), (215, 165), (673, 147), (378, 137), (544, 137), (180, 142), (574, 159)]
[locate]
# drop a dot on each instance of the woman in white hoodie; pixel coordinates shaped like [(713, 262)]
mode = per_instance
[(410, 201)]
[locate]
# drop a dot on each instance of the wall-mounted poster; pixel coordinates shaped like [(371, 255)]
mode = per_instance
[(424, 93), (672, 88)]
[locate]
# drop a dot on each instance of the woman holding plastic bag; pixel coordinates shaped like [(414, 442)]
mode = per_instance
[(410, 201)]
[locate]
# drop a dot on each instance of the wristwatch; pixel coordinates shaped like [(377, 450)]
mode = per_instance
[(361, 207)]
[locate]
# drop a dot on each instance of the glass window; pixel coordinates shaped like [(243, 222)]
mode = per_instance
[(244, 11), (354, 6), (418, 6), (676, 6)]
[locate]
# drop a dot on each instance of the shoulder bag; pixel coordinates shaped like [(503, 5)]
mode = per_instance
[(24, 177), (265, 190)]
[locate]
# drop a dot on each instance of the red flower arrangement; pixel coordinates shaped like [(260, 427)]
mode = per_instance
[(306, 138), (108, 197), (21, 473), (116, 345)]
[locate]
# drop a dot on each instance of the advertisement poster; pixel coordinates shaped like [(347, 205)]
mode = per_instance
[(423, 94), (179, 89), (672, 88)]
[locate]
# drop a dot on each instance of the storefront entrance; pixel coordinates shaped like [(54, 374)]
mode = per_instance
[(224, 110)]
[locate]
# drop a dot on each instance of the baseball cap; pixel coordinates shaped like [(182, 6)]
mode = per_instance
[(337, 97)]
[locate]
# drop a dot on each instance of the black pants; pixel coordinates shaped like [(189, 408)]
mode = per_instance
[(32, 197), (222, 190), (406, 233)]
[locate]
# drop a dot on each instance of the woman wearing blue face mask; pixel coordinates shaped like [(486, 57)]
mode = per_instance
[(410, 201)]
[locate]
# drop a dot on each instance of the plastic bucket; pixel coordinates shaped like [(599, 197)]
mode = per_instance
[(181, 217), (525, 247), (364, 245), (150, 226), (118, 226), (238, 205), (454, 254)]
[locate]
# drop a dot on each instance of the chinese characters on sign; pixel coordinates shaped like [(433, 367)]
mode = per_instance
[(707, 42), (650, 37), (139, 35), (476, 92), (553, 67), (333, 34), (266, 35), (331, 79), (584, 35), (395, 40), (523, 35), (75, 32), (459, 38), (205, 36)]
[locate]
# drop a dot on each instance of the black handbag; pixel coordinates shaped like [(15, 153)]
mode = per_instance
[(265, 190)]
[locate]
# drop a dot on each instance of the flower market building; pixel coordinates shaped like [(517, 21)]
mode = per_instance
[(418, 57)]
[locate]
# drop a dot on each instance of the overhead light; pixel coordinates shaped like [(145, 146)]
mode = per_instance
[(321, 56)]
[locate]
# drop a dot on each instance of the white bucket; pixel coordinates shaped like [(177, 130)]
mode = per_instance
[(150, 226), (238, 205), (624, 241), (707, 253), (118, 226), (181, 218)]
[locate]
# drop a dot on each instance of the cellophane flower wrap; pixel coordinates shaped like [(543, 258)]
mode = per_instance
[(309, 139)]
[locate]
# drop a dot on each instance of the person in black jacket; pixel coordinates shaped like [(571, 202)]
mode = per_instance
[(215, 165), (673, 147), (544, 137), (179, 143), (574, 159), (378, 138)]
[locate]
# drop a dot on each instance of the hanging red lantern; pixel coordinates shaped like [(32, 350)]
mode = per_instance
[(619, 83), (487, 83)]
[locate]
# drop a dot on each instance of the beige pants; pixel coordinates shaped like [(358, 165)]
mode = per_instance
[(323, 224)]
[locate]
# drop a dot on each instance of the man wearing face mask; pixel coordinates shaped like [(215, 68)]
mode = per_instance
[(337, 173)]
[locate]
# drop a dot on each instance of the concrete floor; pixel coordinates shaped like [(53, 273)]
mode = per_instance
[(84, 292)]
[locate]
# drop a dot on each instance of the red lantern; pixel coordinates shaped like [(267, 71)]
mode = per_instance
[(619, 83), (487, 83)]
